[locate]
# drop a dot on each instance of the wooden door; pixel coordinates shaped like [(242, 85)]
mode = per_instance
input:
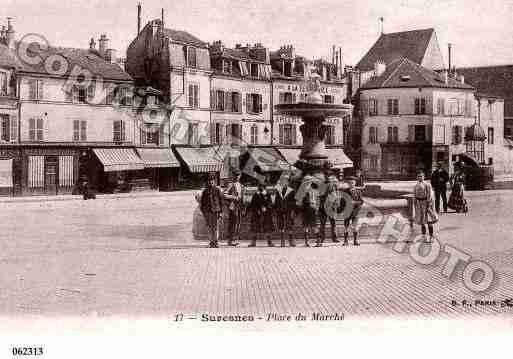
[(51, 174)]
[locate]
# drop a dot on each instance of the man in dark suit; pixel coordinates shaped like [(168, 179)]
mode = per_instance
[(284, 206), (439, 179), (211, 206)]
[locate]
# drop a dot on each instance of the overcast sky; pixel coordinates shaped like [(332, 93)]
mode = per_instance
[(481, 31)]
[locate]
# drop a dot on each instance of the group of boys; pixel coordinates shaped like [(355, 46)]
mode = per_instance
[(275, 211)]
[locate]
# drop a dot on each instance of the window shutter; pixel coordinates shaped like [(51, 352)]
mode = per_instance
[(142, 133), (293, 98), (32, 89), (75, 93), (76, 134), (91, 92), (115, 131), (411, 133), (228, 102), (212, 99), (429, 133), (249, 103), (32, 129), (460, 134), (68, 92), (83, 130), (14, 128), (40, 92), (390, 134), (377, 134), (191, 95), (196, 96), (294, 135), (280, 133), (162, 137), (281, 98), (39, 129)]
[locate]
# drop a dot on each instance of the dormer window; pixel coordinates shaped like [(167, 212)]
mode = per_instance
[(227, 67), (3, 84), (254, 70), (287, 68)]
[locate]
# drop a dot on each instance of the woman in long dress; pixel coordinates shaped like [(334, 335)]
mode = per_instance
[(457, 198), (424, 206)]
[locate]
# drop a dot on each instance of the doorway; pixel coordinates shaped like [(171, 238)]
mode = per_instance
[(51, 174)]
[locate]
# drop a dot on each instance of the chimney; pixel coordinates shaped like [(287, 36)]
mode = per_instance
[(462, 79), (333, 54), (92, 44), (324, 72), (379, 68), (449, 46), (111, 56), (340, 62), (162, 17), (138, 18), (446, 76), (103, 45), (382, 28), (2, 33), (9, 34)]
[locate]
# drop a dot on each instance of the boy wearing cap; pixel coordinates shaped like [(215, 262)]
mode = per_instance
[(350, 204), (211, 206), (330, 201), (261, 217)]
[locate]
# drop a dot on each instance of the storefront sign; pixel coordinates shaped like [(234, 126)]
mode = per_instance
[(303, 88)]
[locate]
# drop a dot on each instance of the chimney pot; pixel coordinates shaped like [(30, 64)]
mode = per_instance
[(9, 34)]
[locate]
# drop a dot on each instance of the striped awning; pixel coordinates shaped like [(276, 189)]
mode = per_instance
[(6, 173), (118, 159), (268, 159), (338, 158), (203, 159), (291, 155), (158, 157)]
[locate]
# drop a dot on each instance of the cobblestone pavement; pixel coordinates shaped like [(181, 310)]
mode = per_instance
[(136, 256)]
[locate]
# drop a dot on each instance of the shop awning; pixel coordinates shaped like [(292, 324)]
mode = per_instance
[(338, 158), (291, 155), (118, 159), (158, 157), (6, 173), (268, 159), (205, 159)]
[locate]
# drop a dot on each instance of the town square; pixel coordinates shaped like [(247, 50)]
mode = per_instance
[(255, 164)]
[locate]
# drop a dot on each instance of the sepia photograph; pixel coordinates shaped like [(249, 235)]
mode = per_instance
[(269, 167)]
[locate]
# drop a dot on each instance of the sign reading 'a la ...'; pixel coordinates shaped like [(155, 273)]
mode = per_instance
[(303, 88)]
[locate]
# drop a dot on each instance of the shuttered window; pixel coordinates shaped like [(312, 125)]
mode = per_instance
[(36, 165), (36, 129), (79, 130), (440, 107), (66, 171), (193, 95), (118, 131), (254, 135), (36, 90)]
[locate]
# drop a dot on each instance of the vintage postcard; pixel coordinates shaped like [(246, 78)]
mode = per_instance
[(254, 167)]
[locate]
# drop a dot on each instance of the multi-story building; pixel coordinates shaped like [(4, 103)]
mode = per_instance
[(73, 117), (289, 75), (240, 94), (412, 117)]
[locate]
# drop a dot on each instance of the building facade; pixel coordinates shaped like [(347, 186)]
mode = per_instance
[(413, 117), (240, 95)]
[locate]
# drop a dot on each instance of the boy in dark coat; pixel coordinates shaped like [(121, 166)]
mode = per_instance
[(211, 206), (330, 201), (284, 207), (350, 204), (311, 203), (261, 215)]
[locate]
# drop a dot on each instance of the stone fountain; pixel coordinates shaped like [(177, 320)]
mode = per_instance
[(313, 159)]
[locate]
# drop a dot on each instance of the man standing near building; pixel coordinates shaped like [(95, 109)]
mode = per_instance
[(284, 207), (439, 179), (211, 205), (234, 194), (350, 203)]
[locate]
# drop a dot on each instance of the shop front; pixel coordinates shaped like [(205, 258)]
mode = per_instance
[(114, 170), (196, 163), (162, 167), (402, 161), (10, 171), (49, 170), (261, 163)]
